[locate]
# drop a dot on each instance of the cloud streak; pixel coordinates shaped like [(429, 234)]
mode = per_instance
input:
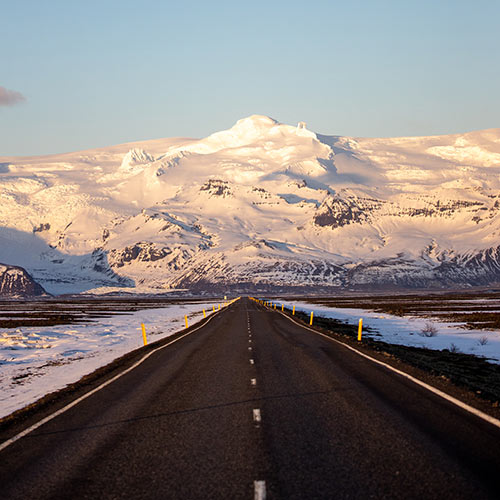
[(10, 97)]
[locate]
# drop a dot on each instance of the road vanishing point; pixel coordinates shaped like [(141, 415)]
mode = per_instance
[(254, 405)]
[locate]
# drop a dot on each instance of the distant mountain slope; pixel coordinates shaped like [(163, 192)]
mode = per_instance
[(16, 282), (262, 204)]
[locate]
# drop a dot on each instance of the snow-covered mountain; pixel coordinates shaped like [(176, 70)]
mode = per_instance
[(263, 205)]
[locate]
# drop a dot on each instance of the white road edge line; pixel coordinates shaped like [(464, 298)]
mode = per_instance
[(259, 490), (30, 429), (478, 413)]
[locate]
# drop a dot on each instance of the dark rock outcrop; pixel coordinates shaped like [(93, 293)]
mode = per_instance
[(17, 282)]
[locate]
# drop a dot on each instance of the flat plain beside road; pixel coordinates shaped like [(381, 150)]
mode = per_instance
[(252, 396)]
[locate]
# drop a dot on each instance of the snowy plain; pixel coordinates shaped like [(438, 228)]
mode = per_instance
[(407, 330), (35, 361)]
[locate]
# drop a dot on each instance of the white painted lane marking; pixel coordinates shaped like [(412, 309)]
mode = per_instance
[(259, 488), (256, 415), (478, 413), (249, 348), (252, 361), (249, 341), (253, 381), (98, 388)]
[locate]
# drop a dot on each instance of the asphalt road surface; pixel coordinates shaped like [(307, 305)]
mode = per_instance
[(253, 405)]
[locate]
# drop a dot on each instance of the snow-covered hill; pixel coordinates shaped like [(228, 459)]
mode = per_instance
[(263, 205), (15, 282)]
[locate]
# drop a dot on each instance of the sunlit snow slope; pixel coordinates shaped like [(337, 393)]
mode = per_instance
[(263, 205)]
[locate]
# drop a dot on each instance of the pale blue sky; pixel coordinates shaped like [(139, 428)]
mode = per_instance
[(97, 73)]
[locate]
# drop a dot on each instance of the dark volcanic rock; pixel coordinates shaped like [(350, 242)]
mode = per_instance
[(337, 212), (17, 282), (217, 187)]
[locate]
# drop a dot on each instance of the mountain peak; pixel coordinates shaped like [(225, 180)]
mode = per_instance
[(253, 122), (248, 131)]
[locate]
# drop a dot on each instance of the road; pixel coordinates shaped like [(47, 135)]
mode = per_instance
[(251, 397)]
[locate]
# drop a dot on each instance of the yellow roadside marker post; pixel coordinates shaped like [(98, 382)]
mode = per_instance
[(275, 305), (144, 338), (219, 307), (204, 313), (282, 307), (186, 320), (360, 329), (213, 307), (293, 311), (311, 321)]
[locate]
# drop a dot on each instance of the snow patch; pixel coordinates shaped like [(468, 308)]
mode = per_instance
[(38, 360)]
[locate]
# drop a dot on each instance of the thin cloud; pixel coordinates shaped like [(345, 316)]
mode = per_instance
[(10, 97)]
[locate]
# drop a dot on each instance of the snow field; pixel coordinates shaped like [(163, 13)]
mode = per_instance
[(35, 361), (408, 330)]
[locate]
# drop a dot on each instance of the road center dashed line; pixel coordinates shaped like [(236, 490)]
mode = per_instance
[(259, 488), (256, 416), (252, 361), (253, 381)]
